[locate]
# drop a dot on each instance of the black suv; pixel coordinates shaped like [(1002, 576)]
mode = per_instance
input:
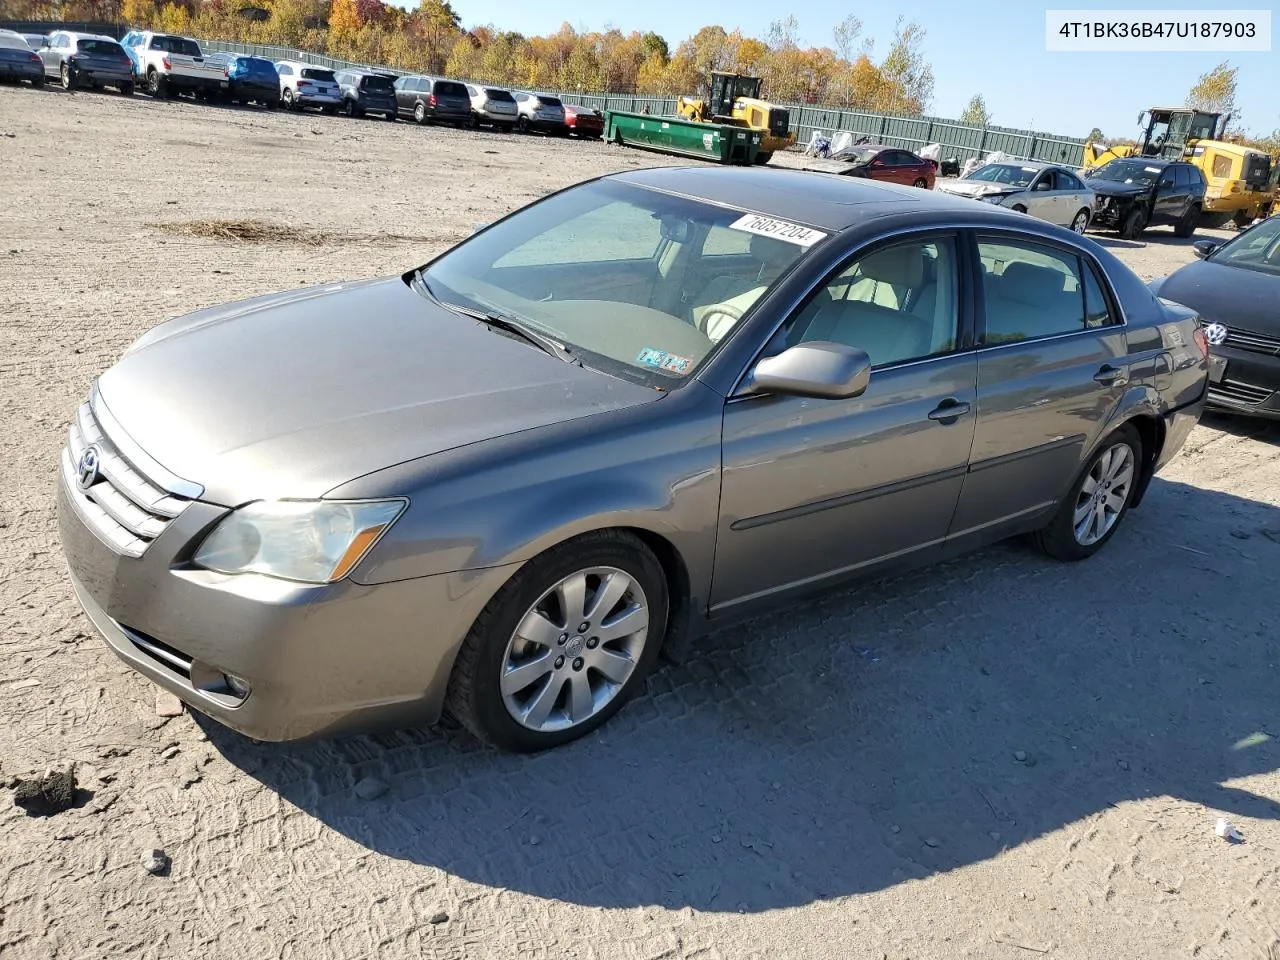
[(1134, 193), (367, 92)]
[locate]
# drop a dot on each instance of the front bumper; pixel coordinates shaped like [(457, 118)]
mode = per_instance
[(1110, 211), (319, 660), (1250, 384)]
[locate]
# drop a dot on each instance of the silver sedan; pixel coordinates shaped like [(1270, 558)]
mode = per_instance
[(502, 483), (1046, 191)]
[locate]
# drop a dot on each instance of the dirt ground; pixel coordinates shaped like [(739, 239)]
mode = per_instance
[(999, 758)]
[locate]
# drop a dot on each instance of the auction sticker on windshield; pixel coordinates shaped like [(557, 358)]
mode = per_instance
[(664, 361), (778, 229)]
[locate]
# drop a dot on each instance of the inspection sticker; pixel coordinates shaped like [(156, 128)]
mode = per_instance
[(663, 360), (778, 229)]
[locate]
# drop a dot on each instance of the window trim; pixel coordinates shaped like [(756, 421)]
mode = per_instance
[(965, 299), (1086, 261)]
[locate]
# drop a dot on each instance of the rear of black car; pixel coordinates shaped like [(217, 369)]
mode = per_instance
[(99, 62), (21, 63), (253, 79), (372, 93)]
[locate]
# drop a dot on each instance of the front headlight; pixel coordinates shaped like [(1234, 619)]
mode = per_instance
[(313, 541), (995, 197)]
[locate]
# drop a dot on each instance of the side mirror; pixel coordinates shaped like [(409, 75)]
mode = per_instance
[(1205, 247), (819, 369)]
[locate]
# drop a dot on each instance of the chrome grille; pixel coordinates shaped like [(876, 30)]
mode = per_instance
[(125, 508), (1237, 392), (1256, 342)]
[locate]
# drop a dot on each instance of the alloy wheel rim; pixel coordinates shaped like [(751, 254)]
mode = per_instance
[(1103, 495), (1078, 225), (574, 649)]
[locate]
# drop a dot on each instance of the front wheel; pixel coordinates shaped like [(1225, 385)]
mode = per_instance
[(920, 182), (1081, 222), (1134, 223), (1099, 500), (1186, 225), (523, 124), (561, 647)]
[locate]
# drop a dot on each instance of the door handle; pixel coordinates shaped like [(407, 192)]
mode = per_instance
[(949, 411), (1111, 375)]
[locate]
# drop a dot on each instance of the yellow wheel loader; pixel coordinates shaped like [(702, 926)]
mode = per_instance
[(1240, 182), (735, 99)]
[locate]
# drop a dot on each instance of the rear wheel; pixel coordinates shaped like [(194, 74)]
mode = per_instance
[(289, 101), (420, 113), (155, 86), (523, 124), (37, 81), (1081, 222), (1098, 501), (67, 77), (561, 647), (1186, 225), (1135, 221), (391, 116), (920, 182)]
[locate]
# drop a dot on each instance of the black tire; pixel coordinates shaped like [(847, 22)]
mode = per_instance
[(329, 111), (155, 83), (38, 82), (523, 124), (1018, 208), (921, 182), (1186, 225), (390, 117), (1241, 219), (1080, 222), (1135, 221), (126, 89), (508, 127), (1058, 538), (474, 696), (67, 77), (287, 100), (349, 108), (420, 113)]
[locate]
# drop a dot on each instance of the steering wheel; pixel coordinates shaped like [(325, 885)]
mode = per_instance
[(718, 314)]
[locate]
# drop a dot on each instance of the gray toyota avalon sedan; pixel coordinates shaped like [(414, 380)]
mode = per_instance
[(500, 484)]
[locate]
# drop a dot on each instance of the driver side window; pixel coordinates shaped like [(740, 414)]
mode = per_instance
[(898, 303)]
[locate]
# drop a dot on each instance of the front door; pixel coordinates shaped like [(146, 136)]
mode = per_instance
[(1052, 366), (814, 489), (1170, 199)]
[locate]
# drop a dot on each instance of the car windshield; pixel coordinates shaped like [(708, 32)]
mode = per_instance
[(323, 76), (98, 46), (1256, 249), (1007, 173), (634, 282), (378, 83), (1136, 172)]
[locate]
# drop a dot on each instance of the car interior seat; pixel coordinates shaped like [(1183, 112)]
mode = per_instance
[(740, 292)]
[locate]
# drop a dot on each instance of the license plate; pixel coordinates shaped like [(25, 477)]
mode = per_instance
[(1217, 369)]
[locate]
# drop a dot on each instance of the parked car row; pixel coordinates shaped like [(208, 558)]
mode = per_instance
[(169, 66)]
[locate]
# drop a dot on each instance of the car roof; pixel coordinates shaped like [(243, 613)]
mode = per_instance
[(827, 201), (89, 36)]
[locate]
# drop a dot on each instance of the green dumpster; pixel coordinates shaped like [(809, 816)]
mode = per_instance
[(717, 142)]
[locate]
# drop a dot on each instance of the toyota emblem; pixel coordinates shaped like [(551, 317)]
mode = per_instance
[(1215, 333), (87, 469)]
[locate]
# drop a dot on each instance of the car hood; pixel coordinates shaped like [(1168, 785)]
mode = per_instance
[(1240, 298), (294, 394), (975, 188), (1113, 188)]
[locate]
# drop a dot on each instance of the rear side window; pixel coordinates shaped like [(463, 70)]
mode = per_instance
[(1180, 177), (1033, 291), (1068, 182), (284, 70)]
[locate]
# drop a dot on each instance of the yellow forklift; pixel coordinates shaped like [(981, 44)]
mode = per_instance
[(1240, 182), (735, 99)]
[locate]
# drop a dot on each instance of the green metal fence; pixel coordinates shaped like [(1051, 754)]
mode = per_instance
[(957, 139)]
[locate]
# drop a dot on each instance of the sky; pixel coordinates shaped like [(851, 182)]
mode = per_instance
[(997, 50)]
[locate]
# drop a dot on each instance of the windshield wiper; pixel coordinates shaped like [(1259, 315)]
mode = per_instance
[(500, 321)]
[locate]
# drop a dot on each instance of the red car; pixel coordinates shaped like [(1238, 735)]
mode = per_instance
[(584, 121), (894, 164)]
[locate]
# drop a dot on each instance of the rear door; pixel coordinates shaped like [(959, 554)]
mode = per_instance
[(1052, 366)]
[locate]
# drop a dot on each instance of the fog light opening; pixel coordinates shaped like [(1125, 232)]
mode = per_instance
[(238, 687)]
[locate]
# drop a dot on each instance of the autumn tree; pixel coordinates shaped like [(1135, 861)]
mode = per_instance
[(976, 113), (1095, 135), (908, 77), (1215, 91)]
